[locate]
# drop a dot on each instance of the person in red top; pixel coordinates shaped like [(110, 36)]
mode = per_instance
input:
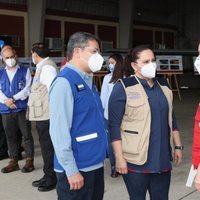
[(196, 137), (196, 148)]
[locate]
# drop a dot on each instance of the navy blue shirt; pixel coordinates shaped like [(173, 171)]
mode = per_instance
[(159, 152)]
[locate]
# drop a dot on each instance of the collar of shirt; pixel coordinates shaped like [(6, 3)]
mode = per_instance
[(41, 62), (17, 67), (11, 73), (146, 85), (88, 78)]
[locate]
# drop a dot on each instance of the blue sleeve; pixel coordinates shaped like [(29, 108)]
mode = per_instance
[(61, 103), (116, 109)]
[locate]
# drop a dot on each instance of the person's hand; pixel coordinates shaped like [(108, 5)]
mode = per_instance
[(76, 181), (13, 106), (121, 165), (8, 102), (178, 154)]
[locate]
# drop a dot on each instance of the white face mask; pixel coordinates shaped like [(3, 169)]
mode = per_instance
[(197, 64), (10, 62), (149, 70), (95, 62), (111, 67)]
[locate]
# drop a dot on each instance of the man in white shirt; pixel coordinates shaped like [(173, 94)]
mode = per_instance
[(15, 84), (38, 110)]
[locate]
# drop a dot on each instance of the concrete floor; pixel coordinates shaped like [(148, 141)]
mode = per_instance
[(17, 186)]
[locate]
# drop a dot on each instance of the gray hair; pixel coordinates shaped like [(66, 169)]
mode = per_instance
[(79, 40)]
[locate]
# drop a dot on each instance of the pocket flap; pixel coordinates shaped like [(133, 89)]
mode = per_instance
[(86, 137)]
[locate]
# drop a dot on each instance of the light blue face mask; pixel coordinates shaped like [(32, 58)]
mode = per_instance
[(111, 67)]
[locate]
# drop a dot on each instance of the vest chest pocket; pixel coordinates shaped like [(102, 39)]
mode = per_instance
[(135, 109), (35, 108), (86, 146)]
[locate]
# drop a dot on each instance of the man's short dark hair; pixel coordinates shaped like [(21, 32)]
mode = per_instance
[(40, 49), (79, 40)]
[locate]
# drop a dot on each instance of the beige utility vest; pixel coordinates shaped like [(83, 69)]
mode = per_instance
[(136, 122), (38, 102)]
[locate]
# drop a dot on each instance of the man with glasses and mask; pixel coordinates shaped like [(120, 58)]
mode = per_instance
[(15, 84), (77, 125), (38, 110)]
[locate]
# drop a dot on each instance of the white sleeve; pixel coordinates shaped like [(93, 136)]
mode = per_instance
[(104, 90), (47, 75)]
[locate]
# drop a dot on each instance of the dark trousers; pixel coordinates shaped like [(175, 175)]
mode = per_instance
[(157, 185), (47, 151), (3, 142), (110, 150), (13, 122), (93, 188)]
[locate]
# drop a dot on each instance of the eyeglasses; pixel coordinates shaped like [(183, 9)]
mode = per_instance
[(91, 50)]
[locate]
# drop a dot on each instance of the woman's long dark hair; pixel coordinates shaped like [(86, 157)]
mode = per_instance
[(118, 71)]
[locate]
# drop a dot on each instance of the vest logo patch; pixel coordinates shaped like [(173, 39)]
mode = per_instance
[(21, 85), (134, 95), (80, 87)]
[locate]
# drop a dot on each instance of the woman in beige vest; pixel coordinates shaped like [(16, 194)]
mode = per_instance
[(143, 129)]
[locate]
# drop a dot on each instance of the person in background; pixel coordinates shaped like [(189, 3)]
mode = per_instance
[(116, 72), (196, 137), (15, 84), (143, 129), (77, 125), (128, 70), (3, 142), (38, 111)]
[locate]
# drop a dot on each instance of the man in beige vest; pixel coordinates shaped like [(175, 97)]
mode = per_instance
[(38, 110)]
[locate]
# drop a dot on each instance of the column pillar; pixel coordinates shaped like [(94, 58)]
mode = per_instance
[(125, 23), (36, 17)]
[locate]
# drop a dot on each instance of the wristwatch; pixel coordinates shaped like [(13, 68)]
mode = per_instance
[(179, 148)]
